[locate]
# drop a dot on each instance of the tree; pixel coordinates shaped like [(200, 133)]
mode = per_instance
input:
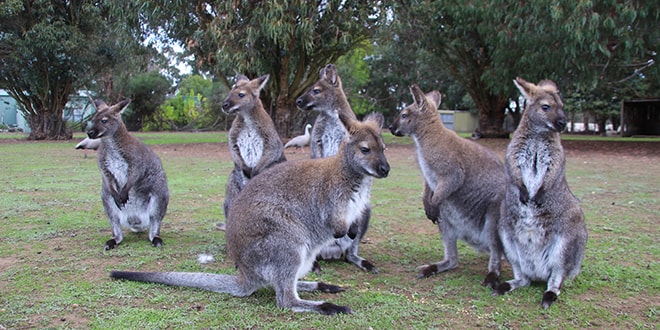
[(49, 49), (485, 44), (147, 92), (290, 40)]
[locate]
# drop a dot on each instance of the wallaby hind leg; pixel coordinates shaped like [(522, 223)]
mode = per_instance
[(287, 297), (115, 224), (352, 251), (496, 250), (554, 285), (450, 250), (157, 207)]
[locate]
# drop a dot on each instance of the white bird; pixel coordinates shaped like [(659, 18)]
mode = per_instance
[(88, 143), (300, 141)]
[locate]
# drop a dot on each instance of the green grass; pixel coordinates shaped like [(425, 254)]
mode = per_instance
[(54, 272)]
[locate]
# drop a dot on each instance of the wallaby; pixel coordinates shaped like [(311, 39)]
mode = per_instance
[(253, 140), (542, 226), (134, 187), (282, 218), (463, 184), (327, 97)]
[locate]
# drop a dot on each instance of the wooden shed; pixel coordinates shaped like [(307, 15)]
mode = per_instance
[(640, 117)]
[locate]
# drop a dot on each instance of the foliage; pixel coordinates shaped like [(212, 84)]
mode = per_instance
[(483, 45), (196, 105), (290, 40), (49, 49), (147, 92)]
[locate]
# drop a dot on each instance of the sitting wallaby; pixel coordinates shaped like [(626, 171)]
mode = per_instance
[(463, 184), (542, 226), (282, 218), (327, 97), (134, 187), (253, 140)]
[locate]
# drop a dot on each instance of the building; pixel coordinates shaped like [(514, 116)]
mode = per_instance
[(640, 117), (78, 107), (459, 121)]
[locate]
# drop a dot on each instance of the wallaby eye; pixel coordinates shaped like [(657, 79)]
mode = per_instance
[(545, 107), (365, 150), (241, 95), (104, 120), (404, 115), (316, 91)]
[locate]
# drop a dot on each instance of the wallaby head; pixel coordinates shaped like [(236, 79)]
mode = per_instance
[(244, 95), (326, 94), (364, 148), (544, 110), (422, 110), (107, 120)]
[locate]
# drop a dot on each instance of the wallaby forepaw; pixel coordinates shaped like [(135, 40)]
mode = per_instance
[(329, 288), (110, 244), (316, 267), (157, 242), (492, 281), (549, 297), (327, 308)]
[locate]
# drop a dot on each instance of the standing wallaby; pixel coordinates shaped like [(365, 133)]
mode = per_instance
[(253, 140), (281, 219), (134, 188), (542, 226), (327, 97), (463, 184)]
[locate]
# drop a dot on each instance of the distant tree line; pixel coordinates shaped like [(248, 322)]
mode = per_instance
[(597, 52)]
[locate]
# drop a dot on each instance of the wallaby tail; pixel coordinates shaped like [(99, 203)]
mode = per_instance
[(212, 282)]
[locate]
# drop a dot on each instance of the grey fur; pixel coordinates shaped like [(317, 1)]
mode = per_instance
[(134, 187), (327, 97), (253, 140), (463, 184), (542, 226), (280, 221)]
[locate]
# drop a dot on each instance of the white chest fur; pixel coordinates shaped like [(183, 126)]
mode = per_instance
[(534, 161), (250, 143), (359, 201), (428, 173), (116, 164)]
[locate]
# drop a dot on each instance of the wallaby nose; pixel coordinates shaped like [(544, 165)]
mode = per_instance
[(225, 105), (299, 102), (91, 133), (560, 124), (384, 170)]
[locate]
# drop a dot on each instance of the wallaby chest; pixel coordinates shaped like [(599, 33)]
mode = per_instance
[(250, 143), (114, 163), (331, 136), (359, 200), (428, 172), (534, 158)]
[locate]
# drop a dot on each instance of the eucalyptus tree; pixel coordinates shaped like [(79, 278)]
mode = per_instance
[(290, 40), (485, 44), (48, 50)]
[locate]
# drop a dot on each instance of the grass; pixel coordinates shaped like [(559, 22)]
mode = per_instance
[(54, 272)]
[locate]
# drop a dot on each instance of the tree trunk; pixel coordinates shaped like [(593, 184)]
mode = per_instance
[(491, 117), (283, 115), (48, 126)]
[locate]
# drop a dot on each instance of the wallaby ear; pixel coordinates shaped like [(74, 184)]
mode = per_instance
[(100, 105), (240, 77), (435, 98), (375, 119), (329, 73), (549, 86), (418, 96), (526, 88), (119, 107), (262, 81)]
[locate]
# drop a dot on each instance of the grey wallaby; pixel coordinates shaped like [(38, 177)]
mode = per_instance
[(463, 184), (134, 187), (327, 97), (282, 218), (542, 226), (253, 140)]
